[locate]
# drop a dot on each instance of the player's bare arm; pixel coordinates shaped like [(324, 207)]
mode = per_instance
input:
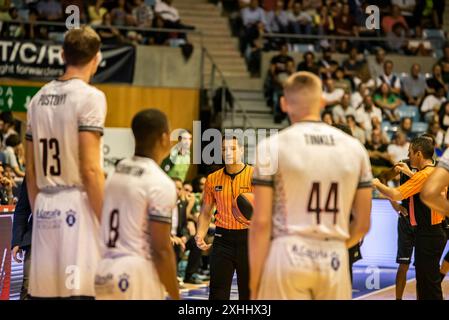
[(361, 213), (91, 172), (203, 225), (433, 194), (259, 235), (163, 256), (31, 174)]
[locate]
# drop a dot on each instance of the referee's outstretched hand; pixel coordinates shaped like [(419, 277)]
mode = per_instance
[(200, 243)]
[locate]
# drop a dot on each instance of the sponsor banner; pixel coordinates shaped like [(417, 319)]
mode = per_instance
[(43, 62)]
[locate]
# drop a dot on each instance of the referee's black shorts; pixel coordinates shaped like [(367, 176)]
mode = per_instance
[(406, 240)]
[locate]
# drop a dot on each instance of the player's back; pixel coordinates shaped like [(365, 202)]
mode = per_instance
[(319, 171), (57, 113), (138, 190)]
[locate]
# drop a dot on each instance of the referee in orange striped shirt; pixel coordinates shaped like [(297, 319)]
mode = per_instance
[(430, 236), (230, 246)]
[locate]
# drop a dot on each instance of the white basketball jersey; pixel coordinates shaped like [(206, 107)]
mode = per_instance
[(136, 192), (315, 170), (56, 114)]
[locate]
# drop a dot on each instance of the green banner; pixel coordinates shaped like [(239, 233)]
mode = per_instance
[(16, 98)]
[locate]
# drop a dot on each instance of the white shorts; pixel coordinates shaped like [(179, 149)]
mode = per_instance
[(128, 278), (306, 269), (65, 245)]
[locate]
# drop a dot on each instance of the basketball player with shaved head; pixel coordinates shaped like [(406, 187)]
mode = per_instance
[(138, 262), (308, 179), (64, 175)]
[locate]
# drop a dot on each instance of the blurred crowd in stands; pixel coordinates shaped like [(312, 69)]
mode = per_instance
[(12, 158), (383, 109), (410, 27), (19, 19)]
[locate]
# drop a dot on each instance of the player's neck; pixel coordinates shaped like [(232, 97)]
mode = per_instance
[(308, 117), (234, 168), (150, 155), (76, 73)]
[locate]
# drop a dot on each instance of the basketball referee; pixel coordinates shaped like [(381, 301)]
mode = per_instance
[(230, 246)]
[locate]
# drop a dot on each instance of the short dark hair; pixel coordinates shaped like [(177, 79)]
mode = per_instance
[(429, 136), (80, 46), (148, 125), (177, 179), (231, 137), (13, 140), (7, 117), (423, 144)]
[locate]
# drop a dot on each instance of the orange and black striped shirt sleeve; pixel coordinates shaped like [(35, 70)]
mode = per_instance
[(414, 185)]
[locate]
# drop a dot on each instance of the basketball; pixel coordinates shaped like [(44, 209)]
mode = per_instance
[(245, 207)]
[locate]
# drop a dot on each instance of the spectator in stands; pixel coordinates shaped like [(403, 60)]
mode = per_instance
[(5, 5), (398, 150), (170, 15), (436, 131), (96, 12), (407, 8), (419, 46), (50, 10), (327, 65), (445, 72), (254, 52), (177, 164), (277, 19), (282, 65), (431, 105), (342, 110), (327, 118), (397, 42), (378, 154), (377, 66), (300, 20), (443, 116), (389, 78), (445, 57), (143, 14), (12, 153), (119, 14), (108, 33), (414, 86), (308, 63), (366, 112), (388, 102), (406, 126), (331, 94), (179, 232), (345, 24), (6, 187), (341, 81), (13, 27), (436, 81), (377, 124), (395, 18), (358, 96), (7, 126), (354, 67), (323, 21), (357, 132), (252, 16)]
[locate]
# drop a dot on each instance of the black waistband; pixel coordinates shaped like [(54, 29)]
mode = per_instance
[(224, 231)]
